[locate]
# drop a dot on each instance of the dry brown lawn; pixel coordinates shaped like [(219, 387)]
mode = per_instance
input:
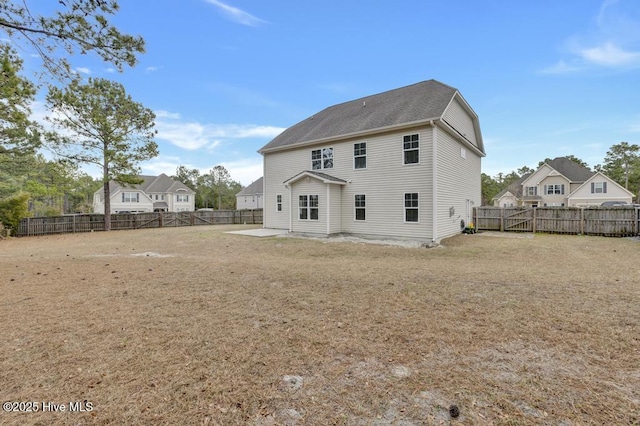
[(198, 327)]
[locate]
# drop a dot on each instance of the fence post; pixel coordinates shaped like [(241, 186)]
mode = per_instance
[(581, 220), (501, 219), (159, 219), (533, 226)]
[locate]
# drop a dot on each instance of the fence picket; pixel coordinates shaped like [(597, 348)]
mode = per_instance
[(95, 222)]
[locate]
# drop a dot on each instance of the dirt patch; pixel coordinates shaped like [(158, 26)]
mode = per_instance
[(196, 326)]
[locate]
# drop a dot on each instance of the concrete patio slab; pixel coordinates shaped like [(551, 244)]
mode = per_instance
[(262, 232)]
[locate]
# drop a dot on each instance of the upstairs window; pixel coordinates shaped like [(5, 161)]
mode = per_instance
[(322, 159), (554, 189), (130, 197), (411, 148), (531, 191), (182, 198), (598, 187), (360, 155)]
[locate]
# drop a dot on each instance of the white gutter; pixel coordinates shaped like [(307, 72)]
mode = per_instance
[(352, 135)]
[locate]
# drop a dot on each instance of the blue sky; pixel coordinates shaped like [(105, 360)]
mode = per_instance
[(547, 78)]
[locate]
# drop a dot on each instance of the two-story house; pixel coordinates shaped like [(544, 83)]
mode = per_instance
[(562, 182), (399, 164), (251, 197), (154, 194)]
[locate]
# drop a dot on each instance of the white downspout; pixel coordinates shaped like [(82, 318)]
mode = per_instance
[(434, 171), (328, 209), (290, 208)]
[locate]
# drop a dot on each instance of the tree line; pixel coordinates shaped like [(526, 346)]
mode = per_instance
[(91, 122), (621, 164)]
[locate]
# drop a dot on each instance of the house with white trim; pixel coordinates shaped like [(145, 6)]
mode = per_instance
[(154, 194), (562, 182), (251, 196), (404, 163)]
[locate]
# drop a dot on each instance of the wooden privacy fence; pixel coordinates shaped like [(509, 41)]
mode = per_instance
[(606, 221), (95, 222)]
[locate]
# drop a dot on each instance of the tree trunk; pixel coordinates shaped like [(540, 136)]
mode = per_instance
[(107, 191), (107, 206)]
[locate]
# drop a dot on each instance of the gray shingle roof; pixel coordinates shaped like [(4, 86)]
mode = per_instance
[(570, 169), (323, 176), (515, 187), (161, 184), (418, 102), (253, 189)]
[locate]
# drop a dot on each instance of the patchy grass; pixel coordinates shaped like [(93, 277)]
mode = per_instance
[(195, 326)]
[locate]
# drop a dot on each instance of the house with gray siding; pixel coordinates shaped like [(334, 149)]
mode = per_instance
[(251, 196), (399, 164)]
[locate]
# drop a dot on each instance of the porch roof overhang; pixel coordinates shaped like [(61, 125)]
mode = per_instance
[(323, 177)]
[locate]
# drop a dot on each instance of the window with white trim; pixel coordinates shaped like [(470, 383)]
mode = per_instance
[(411, 149), (182, 198), (598, 187), (360, 155), (530, 191), (322, 159), (130, 197), (360, 205), (411, 207), (278, 203), (557, 189), (308, 207)]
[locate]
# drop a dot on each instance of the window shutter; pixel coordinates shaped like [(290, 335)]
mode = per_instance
[(137, 197), (123, 197), (562, 189), (545, 190), (604, 187), (593, 187)]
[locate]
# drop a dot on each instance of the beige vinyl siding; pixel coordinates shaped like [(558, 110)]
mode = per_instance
[(583, 197), (335, 209), (278, 167), (385, 181), (458, 118), (309, 187), (458, 180), (144, 205), (554, 199)]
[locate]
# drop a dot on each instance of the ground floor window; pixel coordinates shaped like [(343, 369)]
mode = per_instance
[(411, 207), (278, 203), (308, 207), (360, 203)]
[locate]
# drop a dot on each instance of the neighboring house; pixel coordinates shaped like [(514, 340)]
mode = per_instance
[(562, 182), (511, 196), (251, 196), (400, 164), (154, 194)]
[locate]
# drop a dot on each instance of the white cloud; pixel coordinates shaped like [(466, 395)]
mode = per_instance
[(610, 55), (236, 15), (613, 43), (166, 114), (151, 69), (561, 68), (82, 70), (191, 135)]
